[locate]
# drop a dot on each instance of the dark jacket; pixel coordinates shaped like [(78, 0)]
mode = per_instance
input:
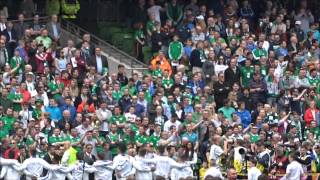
[(221, 91), (93, 62), (208, 69), (195, 59), (49, 27), (232, 77)]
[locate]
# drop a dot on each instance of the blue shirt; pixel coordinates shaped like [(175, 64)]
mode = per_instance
[(193, 137), (55, 113), (188, 109), (188, 50), (72, 109), (245, 117)]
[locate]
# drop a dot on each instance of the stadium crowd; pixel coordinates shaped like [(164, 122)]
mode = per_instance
[(232, 91)]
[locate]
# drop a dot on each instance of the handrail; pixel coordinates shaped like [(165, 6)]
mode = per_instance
[(78, 31), (41, 19)]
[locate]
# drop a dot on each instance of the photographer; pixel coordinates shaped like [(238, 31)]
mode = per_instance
[(239, 154), (263, 157)]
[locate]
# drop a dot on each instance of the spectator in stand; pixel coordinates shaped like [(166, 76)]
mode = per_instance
[(245, 80), (20, 26), (54, 29), (99, 62)]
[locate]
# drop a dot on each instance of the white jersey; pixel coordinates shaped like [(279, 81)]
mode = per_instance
[(164, 165), (33, 167), (123, 166), (143, 170), (80, 171), (9, 169), (181, 173), (104, 170)]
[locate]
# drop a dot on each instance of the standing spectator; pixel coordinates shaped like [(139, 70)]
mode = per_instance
[(174, 12), (20, 26), (232, 73), (121, 76), (175, 51), (221, 90), (42, 58), (54, 29), (246, 11), (258, 88), (4, 56), (99, 62), (11, 37), (139, 41), (197, 58), (306, 18), (155, 10)]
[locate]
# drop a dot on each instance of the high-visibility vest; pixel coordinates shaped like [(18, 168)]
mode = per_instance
[(73, 156)]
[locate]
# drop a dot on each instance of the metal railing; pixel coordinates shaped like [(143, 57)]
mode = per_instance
[(113, 51), (43, 19)]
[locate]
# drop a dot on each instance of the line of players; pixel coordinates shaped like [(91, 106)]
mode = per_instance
[(157, 166)]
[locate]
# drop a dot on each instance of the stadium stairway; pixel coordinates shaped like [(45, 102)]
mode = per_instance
[(115, 56)]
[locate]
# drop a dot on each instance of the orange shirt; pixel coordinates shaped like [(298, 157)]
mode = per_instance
[(164, 64)]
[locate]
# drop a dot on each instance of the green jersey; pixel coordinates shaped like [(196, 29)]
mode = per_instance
[(55, 139), (139, 34), (167, 83), (254, 138), (142, 139), (53, 86), (154, 140), (118, 120), (8, 122), (117, 95), (150, 26), (246, 75), (132, 90), (114, 137), (314, 81), (157, 73), (175, 51), (15, 96), (257, 53), (14, 61), (4, 133)]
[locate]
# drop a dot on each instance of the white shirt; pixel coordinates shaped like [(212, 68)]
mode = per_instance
[(104, 170), (130, 117), (103, 116), (214, 172), (215, 152), (3, 26), (253, 173), (34, 167), (32, 90), (164, 165), (181, 173), (294, 171), (143, 170), (168, 124), (123, 166), (8, 171), (99, 64)]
